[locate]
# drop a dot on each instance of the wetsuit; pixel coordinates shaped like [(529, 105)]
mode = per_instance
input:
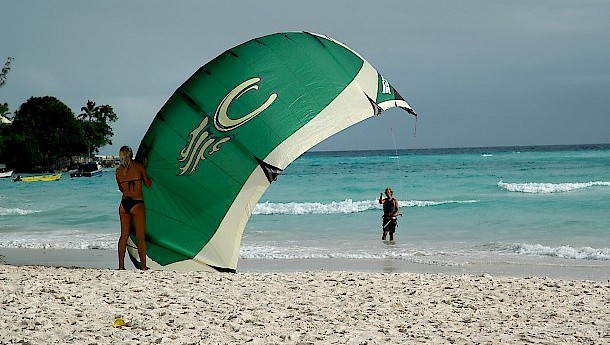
[(389, 222)]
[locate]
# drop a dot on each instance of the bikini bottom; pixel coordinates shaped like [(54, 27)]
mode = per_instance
[(129, 203)]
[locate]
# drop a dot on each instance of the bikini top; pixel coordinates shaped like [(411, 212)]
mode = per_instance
[(131, 184)]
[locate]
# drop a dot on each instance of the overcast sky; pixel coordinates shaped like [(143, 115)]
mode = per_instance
[(479, 73)]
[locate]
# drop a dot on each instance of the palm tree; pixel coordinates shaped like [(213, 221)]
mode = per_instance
[(106, 114), (4, 110), (5, 69), (89, 112)]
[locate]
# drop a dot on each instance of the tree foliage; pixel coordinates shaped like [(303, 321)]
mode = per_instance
[(5, 69), (4, 110), (95, 122), (45, 132)]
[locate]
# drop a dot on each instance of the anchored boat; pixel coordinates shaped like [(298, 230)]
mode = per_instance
[(5, 174), (37, 178), (88, 169)]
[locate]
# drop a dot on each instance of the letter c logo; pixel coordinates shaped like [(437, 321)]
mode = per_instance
[(223, 122)]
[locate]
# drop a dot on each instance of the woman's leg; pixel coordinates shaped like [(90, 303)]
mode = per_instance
[(139, 217), (125, 225)]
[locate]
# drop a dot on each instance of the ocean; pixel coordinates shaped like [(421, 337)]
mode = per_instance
[(541, 205)]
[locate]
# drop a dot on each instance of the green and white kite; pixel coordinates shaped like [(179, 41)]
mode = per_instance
[(226, 133)]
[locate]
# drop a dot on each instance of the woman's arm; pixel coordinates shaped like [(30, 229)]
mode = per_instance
[(118, 182), (145, 178)]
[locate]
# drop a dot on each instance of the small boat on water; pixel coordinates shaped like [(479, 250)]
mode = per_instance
[(37, 178), (6, 173), (88, 169)]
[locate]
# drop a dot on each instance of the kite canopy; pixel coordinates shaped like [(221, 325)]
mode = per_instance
[(232, 127)]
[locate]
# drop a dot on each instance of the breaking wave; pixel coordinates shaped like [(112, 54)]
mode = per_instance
[(564, 252), (546, 188), (337, 207)]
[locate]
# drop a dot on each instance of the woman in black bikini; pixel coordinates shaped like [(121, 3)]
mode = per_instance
[(129, 176)]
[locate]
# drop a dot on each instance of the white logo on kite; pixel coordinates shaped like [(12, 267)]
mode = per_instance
[(386, 88), (202, 143)]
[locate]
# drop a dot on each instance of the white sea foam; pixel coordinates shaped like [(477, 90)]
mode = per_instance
[(546, 188), (297, 252), (58, 240), (337, 207), (15, 211), (423, 256), (565, 252), (417, 203)]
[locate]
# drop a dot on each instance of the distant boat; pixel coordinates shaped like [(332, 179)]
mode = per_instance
[(5, 174), (87, 169), (37, 178)]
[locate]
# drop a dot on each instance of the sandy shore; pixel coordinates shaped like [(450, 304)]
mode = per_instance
[(42, 305)]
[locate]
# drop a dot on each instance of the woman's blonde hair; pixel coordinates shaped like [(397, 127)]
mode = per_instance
[(126, 156)]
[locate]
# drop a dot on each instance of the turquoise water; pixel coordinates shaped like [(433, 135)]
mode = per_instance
[(517, 203)]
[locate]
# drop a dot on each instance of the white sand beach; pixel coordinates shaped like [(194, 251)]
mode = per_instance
[(44, 305)]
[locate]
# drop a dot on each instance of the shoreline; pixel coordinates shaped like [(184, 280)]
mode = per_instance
[(564, 269)]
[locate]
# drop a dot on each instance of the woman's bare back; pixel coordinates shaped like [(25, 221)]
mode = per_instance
[(130, 180)]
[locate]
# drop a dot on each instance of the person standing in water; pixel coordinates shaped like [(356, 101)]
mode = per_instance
[(390, 213), (130, 176)]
